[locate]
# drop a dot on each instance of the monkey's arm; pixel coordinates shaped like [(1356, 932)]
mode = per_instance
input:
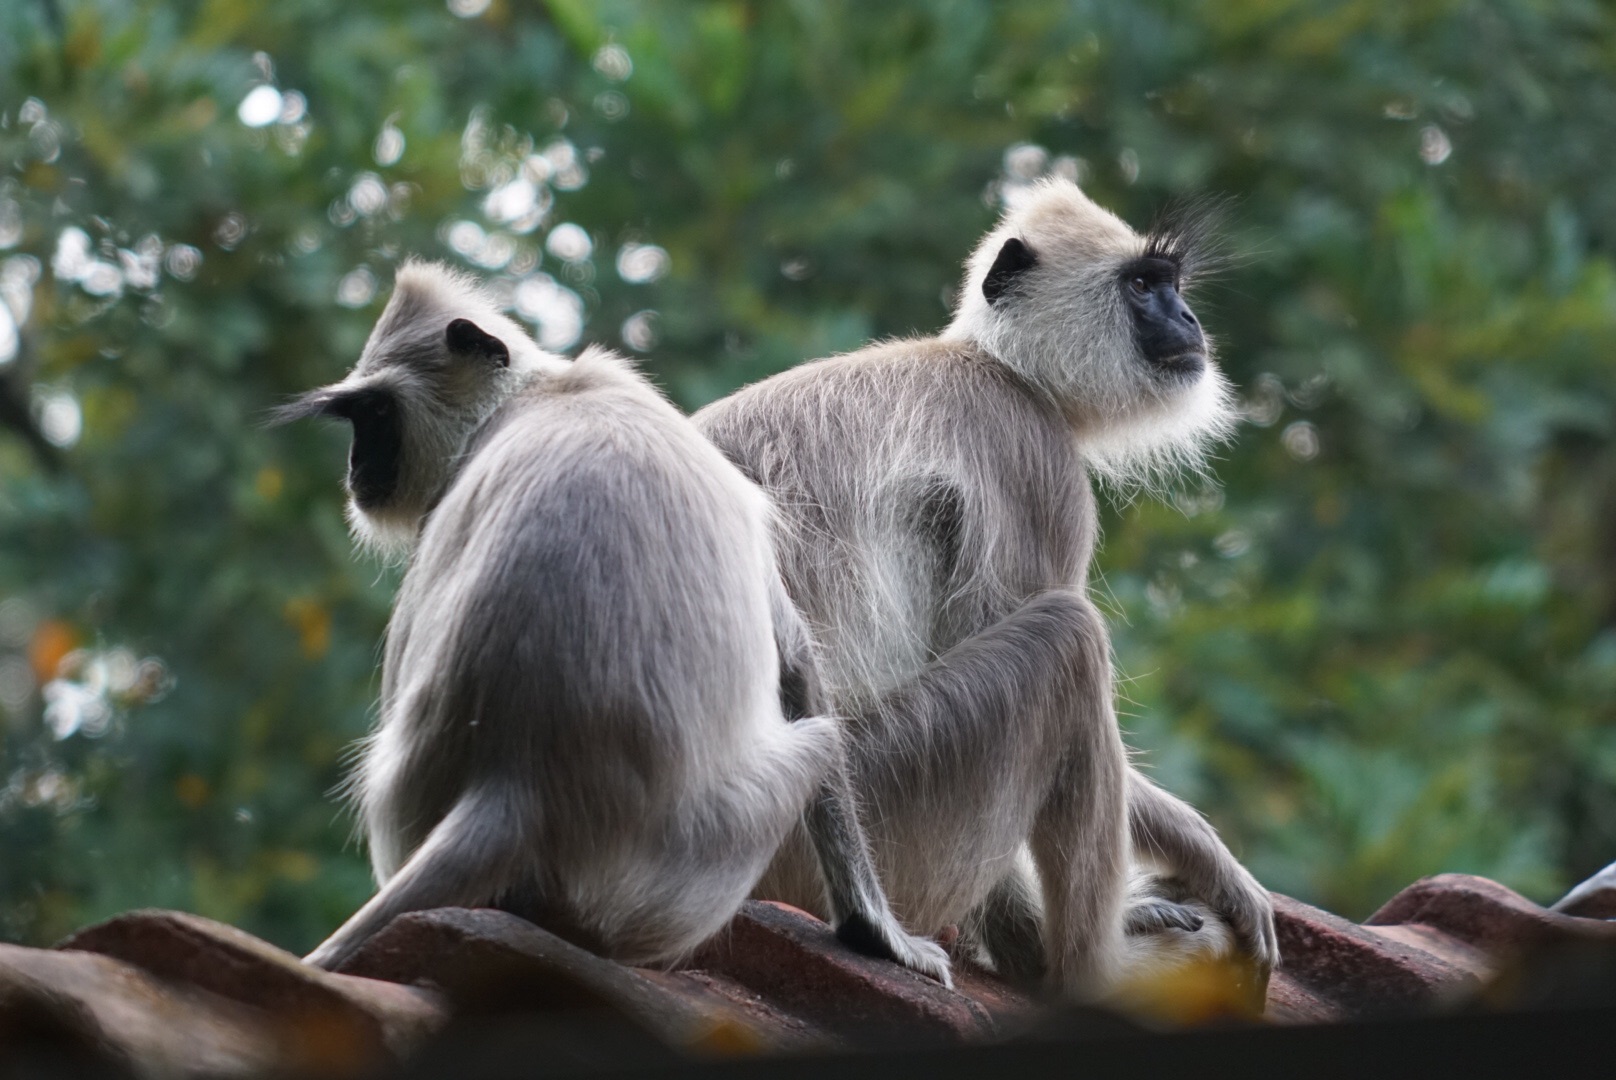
[(859, 908), (858, 905), (1165, 827), (1202, 871), (1009, 926)]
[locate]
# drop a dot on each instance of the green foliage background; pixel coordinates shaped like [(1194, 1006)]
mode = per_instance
[(1385, 648)]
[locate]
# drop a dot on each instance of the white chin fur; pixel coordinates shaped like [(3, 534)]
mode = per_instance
[(1156, 442), (389, 538)]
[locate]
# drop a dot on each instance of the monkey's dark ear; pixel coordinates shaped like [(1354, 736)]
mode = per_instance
[(1014, 258), (465, 336)]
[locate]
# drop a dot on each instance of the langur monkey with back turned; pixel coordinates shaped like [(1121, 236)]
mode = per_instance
[(938, 525), (591, 662)]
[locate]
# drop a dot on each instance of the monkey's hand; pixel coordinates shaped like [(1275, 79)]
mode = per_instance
[(1172, 834), (883, 937), (1242, 900)]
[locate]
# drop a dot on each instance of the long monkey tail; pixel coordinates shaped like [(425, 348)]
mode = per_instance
[(468, 858)]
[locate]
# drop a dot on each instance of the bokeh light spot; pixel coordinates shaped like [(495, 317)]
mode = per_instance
[(356, 287), (261, 107), (569, 242)]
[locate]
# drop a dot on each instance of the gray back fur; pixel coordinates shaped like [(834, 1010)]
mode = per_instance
[(897, 554), (932, 530)]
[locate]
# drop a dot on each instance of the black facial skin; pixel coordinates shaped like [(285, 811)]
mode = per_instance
[(378, 440), (1167, 332)]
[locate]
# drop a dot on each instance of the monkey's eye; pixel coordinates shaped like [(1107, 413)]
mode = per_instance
[(1139, 286)]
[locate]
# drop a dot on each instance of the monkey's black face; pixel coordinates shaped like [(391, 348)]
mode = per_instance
[(378, 442), (1167, 332)]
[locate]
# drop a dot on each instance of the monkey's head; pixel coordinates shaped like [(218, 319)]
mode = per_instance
[(1094, 314), (440, 360)]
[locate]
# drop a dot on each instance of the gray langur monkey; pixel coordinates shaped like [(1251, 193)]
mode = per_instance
[(938, 526), (591, 659)]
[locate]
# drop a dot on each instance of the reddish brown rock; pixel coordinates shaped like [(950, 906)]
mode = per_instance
[(1486, 915), (1012, 1009), (795, 961), (490, 961), (743, 1022), (1360, 971), (167, 994), (316, 1016), (1593, 899), (1289, 1002), (123, 1014)]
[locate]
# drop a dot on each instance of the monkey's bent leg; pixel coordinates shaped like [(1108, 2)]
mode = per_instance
[(858, 904), (1166, 827), (1002, 687), (1080, 838), (467, 859), (1010, 735)]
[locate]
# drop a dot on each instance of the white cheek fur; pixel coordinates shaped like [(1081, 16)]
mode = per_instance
[(1067, 332)]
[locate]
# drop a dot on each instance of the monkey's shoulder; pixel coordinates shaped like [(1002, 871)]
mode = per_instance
[(598, 378), (597, 405), (927, 384), (600, 438)]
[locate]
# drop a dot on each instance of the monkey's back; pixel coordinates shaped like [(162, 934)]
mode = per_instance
[(927, 491), (909, 476), (586, 619)]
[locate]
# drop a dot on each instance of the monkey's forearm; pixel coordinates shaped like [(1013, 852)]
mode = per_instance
[(1166, 828), (858, 904), (859, 909), (1009, 925)]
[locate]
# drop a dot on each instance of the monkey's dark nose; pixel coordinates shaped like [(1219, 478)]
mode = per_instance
[(1169, 334)]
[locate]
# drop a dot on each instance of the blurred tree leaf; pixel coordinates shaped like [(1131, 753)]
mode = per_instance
[(1386, 647)]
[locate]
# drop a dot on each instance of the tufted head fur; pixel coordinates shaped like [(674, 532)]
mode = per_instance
[(441, 358), (1089, 311)]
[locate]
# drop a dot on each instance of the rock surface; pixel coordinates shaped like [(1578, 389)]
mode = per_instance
[(166, 994), (313, 1013)]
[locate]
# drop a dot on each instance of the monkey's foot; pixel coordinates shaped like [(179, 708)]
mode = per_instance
[(1153, 915), (1250, 913), (885, 939)]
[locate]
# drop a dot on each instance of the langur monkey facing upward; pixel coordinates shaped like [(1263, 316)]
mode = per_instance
[(938, 524), (591, 655)]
